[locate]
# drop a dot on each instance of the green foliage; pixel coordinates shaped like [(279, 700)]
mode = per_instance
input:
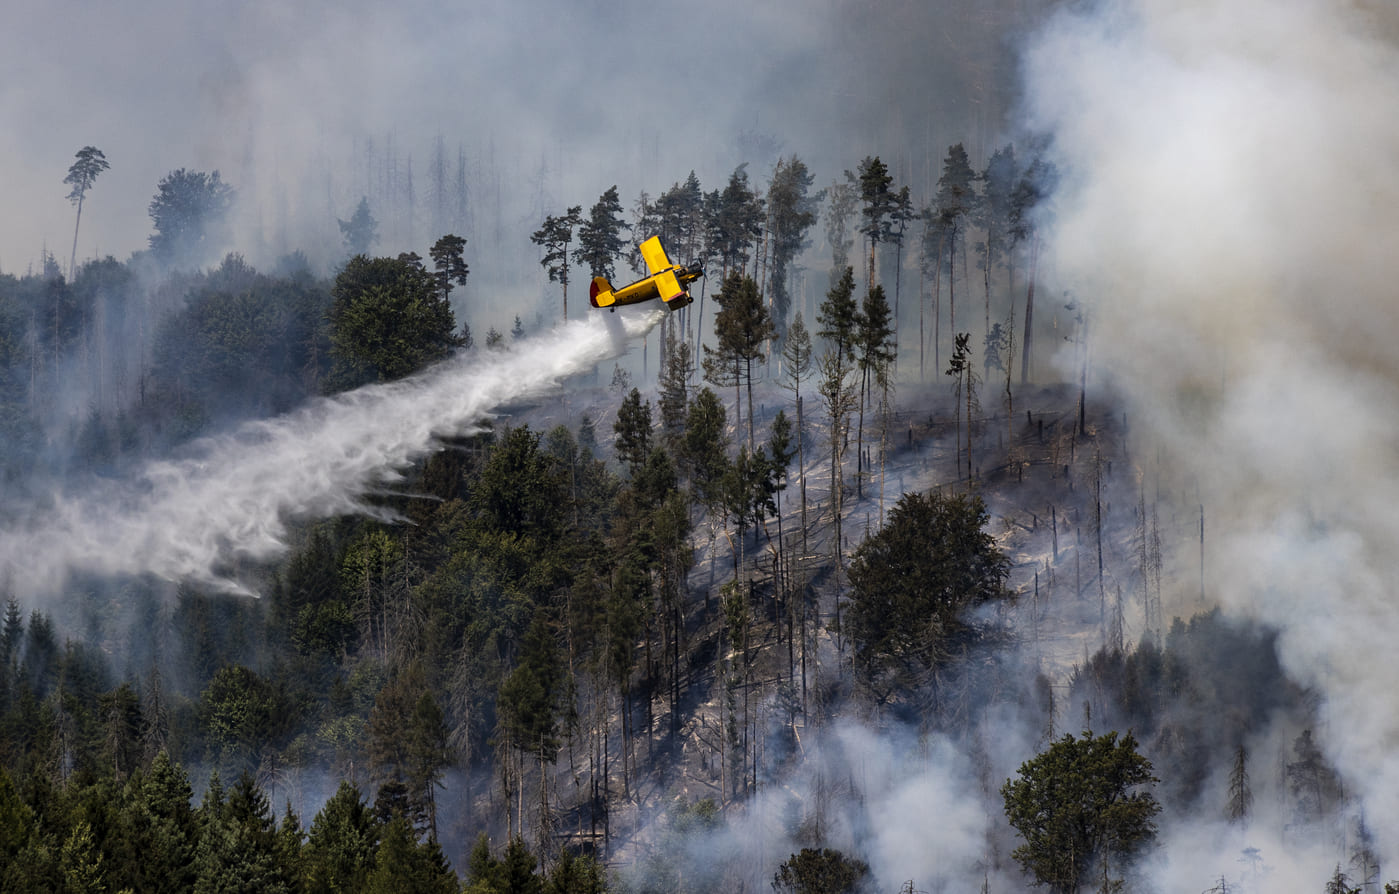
[(1078, 805), (531, 696), (914, 580), (242, 714), (737, 222), (633, 428), (361, 231), (874, 334), (555, 236), (677, 368), (791, 213), (599, 237), (448, 263), (242, 344), (705, 448), (339, 850), (839, 317), (388, 319), (823, 871), (402, 863), (188, 209), (239, 851), (83, 172), (743, 328)]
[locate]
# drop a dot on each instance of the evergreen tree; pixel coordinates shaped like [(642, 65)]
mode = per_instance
[(1034, 186), (706, 443), (823, 871), (361, 231), (913, 580), (81, 175), (993, 216), (743, 328), (873, 183), (841, 201), (737, 224), (796, 355), (339, 851), (874, 344), (164, 828), (676, 369), (1078, 805), (238, 850), (791, 213), (555, 237), (449, 265), (633, 428), (600, 236), (955, 203), (403, 864)]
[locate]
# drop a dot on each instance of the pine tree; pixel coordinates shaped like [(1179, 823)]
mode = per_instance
[(676, 369), (599, 236), (743, 328), (449, 265), (874, 344), (791, 213), (361, 231), (955, 203), (82, 174), (555, 237), (633, 428)]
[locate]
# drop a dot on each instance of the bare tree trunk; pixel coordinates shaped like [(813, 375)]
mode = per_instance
[(1029, 312), (73, 258)]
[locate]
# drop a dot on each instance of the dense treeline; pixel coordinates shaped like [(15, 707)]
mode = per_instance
[(537, 629)]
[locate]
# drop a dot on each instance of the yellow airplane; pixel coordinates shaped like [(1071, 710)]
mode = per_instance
[(668, 282)]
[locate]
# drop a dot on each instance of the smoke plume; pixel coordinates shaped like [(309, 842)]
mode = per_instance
[(1230, 178)]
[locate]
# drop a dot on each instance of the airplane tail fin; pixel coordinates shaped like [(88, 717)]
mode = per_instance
[(600, 292)]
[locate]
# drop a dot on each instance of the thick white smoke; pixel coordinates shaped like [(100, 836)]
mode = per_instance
[(1231, 174), (231, 499)]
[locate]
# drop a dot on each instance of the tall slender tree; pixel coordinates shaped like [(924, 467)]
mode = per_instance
[(451, 268), (743, 328), (874, 341), (791, 213), (873, 181), (956, 202), (555, 237), (81, 175), (600, 236)]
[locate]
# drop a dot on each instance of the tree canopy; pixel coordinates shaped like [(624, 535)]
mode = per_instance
[(1079, 804), (388, 318), (913, 581), (188, 209)]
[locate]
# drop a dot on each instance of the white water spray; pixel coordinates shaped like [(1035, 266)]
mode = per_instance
[(232, 498)]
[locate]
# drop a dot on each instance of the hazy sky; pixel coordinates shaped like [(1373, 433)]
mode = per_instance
[(273, 94)]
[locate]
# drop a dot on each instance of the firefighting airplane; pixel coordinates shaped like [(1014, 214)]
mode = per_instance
[(668, 282)]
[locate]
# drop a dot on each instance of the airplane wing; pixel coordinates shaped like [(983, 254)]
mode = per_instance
[(668, 285), (656, 261)]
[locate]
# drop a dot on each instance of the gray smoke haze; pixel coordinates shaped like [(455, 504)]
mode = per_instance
[(230, 500), (1231, 174), (559, 99)]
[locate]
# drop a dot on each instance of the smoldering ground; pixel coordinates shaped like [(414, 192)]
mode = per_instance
[(1226, 213)]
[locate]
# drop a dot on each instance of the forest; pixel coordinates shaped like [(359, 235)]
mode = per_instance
[(848, 551)]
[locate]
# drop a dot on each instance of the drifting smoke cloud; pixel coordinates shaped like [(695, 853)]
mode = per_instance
[(190, 519), (1231, 178)]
